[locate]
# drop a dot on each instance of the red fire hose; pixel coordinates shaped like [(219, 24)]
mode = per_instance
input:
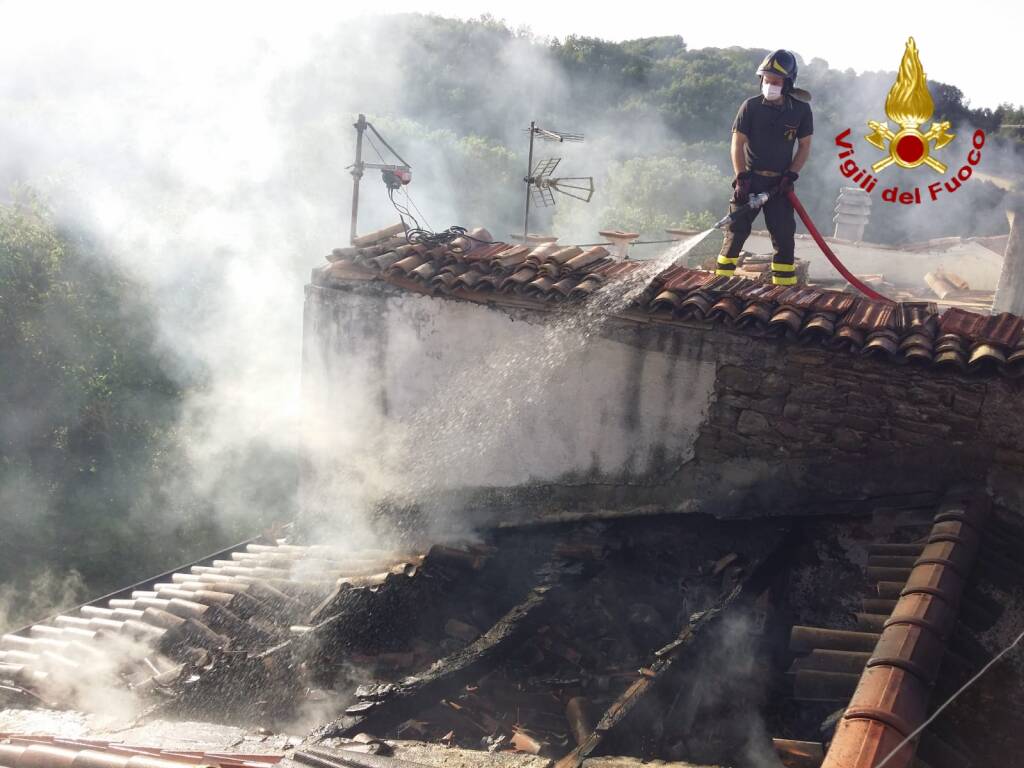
[(851, 279)]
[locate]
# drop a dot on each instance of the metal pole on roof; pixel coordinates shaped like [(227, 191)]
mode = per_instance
[(357, 174), (529, 170)]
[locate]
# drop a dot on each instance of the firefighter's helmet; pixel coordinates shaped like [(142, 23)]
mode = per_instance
[(781, 63)]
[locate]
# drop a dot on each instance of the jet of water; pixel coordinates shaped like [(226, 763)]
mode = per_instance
[(618, 294), (467, 422)]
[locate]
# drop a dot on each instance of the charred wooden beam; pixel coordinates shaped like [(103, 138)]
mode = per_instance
[(831, 661), (895, 549), (817, 685), (879, 573), (806, 639), (871, 622), (388, 706), (878, 605)]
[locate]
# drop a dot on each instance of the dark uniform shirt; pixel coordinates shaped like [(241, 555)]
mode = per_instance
[(771, 130)]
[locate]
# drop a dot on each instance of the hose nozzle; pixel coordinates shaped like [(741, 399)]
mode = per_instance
[(753, 203)]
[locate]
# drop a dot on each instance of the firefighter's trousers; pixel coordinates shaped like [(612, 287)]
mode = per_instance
[(780, 220)]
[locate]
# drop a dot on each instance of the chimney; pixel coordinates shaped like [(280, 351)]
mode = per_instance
[(620, 241), (532, 239), (1010, 289), (853, 208)]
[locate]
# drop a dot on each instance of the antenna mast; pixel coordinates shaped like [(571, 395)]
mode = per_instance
[(540, 186), (395, 176)]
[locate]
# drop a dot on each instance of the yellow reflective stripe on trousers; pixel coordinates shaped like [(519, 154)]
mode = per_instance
[(780, 267), (734, 260), (724, 272), (791, 280)]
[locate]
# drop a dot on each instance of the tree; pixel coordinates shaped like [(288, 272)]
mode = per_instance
[(88, 416)]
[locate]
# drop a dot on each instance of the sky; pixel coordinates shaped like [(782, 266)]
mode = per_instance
[(970, 44)]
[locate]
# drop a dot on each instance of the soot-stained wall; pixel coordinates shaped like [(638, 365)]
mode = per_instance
[(516, 412), (408, 396)]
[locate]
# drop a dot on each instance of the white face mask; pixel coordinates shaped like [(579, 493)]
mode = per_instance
[(771, 92)]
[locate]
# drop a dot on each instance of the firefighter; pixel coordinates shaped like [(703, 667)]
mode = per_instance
[(763, 135)]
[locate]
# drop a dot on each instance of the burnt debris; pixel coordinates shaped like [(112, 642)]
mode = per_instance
[(671, 637)]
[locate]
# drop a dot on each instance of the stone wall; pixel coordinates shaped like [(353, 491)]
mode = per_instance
[(838, 427), (501, 416)]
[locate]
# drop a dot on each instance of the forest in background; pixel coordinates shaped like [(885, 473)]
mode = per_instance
[(98, 458)]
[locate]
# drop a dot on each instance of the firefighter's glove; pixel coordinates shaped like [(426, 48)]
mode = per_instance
[(787, 181), (741, 188)]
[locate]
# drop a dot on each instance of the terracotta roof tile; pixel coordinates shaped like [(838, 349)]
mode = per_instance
[(834, 302), (585, 287), (800, 297), (961, 322), (588, 259), (756, 314), (565, 286), (820, 327), (683, 282), (905, 332), (757, 291), (868, 315), (849, 338), (39, 750), (666, 278), (696, 305), (666, 300), (882, 343), (618, 269), (1003, 329), (918, 316), (788, 319), (520, 278), (727, 309)]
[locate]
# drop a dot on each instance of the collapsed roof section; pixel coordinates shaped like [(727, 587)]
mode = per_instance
[(663, 637), (549, 275), (221, 628)]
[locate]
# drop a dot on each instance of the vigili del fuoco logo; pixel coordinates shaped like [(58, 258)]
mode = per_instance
[(909, 105)]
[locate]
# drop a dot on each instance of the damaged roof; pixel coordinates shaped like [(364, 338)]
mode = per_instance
[(602, 627), (149, 638), (550, 274)]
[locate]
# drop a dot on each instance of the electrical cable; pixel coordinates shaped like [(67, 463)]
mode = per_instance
[(433, 239), (416, 207), (949, 701), (416, 233)]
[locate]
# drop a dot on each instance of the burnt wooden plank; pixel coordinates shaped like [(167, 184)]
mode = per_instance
[(393, 704)]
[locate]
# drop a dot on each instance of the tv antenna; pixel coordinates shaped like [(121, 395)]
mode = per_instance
[(541, 185), (395, 175)]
